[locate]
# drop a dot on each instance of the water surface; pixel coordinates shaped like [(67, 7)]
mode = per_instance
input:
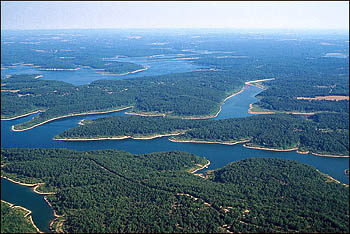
[(85, 75), (24, 196)]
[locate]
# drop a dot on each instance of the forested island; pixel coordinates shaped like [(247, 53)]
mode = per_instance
[(16, 219), (114, 191), (325, 134)]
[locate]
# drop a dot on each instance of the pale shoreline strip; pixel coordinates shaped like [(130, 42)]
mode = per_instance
[(39, 76), (35, 186), (331, 155), (122, 74), (269, 149), (204, 166), (254, 112), (297, 150), (59, 69), (145, 114), (214, 116), (208, 142), (119, 137), (29, 213), (199, 117), (20, 116), (283, 112), (56, 217), (70, 115), (257, 81)]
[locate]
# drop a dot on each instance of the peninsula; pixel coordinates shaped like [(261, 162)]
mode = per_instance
[(279, 132), (160, 190)]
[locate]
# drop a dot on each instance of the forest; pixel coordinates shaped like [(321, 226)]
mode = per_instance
[(326, 133), (13, 220), (113, 191), (106, 191), (194, 94)]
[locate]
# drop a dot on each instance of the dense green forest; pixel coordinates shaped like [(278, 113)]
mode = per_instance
[(177, 95), (326, 133), (134, 126), (13, 220), (115, 191), (323, 77)]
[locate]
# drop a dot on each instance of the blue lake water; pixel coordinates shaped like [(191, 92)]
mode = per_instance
[(156, 66), (218, 154), (24, 196)]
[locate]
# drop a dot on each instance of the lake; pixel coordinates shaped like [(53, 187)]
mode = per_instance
[(218, 154), (156, 66)]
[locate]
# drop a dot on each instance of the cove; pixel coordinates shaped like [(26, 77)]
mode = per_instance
[(24, 196), (219, 155)]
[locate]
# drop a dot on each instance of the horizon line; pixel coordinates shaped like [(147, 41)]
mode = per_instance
[(187, 28)]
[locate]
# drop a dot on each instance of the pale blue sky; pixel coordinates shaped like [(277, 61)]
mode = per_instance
[(175, 14)]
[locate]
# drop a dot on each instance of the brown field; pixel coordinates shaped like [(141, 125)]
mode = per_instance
[(327, 98)]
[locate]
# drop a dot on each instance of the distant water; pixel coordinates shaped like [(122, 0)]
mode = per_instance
[(336, 55), (165, 65), (219, 155)]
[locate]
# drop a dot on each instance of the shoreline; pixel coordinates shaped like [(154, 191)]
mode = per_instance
[(24, 115), (199, 117), (39, 76), (297, 150), (145, 114), (70, 115), (58, 69), (254, 112), (282, 112), (56, 217), (35, 186), (119, 137), (258, 81), (208, 142), (331, 155), (223, 102), (122, 74), (28, 214), (201, 168), (269, 149)]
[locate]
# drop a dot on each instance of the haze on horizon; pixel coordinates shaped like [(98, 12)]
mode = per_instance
[(206, 14)]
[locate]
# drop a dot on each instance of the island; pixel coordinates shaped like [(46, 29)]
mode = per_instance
[(325, 134), (114, 191)]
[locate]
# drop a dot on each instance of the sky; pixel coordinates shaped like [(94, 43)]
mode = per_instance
[(175, 14)]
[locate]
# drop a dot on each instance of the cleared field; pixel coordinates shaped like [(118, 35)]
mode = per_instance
[(326, 98)]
